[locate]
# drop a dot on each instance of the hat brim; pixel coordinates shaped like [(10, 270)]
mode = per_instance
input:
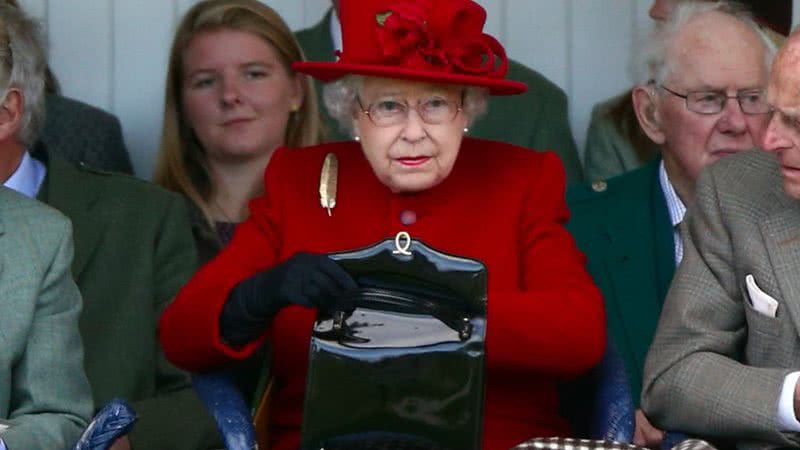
[(330, 71)]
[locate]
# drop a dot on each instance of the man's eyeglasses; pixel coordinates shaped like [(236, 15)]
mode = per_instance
[(712, 102), (433, 110)]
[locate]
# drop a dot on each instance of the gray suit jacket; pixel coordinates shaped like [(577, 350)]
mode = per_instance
[(716, 366), (43, 389)]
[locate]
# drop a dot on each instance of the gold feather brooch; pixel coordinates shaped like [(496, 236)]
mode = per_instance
[(328, 179)]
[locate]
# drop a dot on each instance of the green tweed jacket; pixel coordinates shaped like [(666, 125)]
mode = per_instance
[(623, 227), (537, 119), (43, 389), (133, 251)]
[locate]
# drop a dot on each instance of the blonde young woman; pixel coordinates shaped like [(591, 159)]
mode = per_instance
[(232, 98)]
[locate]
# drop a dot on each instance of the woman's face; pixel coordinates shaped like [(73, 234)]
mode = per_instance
[(407, 153), (237, 95)]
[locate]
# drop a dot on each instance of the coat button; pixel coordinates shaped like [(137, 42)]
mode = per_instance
[(599, 186), (408, 217)]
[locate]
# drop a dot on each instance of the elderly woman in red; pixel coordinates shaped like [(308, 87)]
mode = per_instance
[(412, 76)]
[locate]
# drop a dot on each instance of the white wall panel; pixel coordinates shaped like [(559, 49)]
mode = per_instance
[(113, 53), (293, 12), (140, 61), (598, 66), (313, 10), (81, 45), (180, 7), (537, 36), (36, 8), (494, 17)]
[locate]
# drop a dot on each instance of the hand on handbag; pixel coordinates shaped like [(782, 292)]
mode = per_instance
[(305, 279), (308, 279)]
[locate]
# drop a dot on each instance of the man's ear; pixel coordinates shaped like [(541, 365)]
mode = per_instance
[(11, 114), (646, 107)]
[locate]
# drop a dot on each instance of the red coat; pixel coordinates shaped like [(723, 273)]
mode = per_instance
[(501, 204)]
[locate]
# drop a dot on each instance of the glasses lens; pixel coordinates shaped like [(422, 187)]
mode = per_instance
[(705, 102), (436, 110), (388, 112), (753, 102)]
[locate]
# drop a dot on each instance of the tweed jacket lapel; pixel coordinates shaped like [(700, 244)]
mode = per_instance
[(641, 259), (781, 233), (65, 190)]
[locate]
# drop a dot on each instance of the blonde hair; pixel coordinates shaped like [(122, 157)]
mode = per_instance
[(182, 164)]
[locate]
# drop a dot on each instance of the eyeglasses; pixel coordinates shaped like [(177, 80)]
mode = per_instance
[(712, 102), (432, 110)]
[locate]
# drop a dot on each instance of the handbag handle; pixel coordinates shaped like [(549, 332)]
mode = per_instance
[(375, 298)]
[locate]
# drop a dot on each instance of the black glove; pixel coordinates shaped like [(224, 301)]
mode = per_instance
[(305, 279)]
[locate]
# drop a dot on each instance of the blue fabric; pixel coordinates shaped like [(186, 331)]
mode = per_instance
[(231, 412), (2, 445), (613, 415), (114, 420)]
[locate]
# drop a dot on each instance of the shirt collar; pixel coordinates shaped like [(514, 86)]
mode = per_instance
[(674, 204), (28, 178), (336, 31)]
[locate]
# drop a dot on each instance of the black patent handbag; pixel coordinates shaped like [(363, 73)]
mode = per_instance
[(404, 369)]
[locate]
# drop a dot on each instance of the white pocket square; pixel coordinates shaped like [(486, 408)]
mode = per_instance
[(760, 300)]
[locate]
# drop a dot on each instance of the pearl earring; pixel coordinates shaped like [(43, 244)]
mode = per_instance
[(466, 130), (357, 138)]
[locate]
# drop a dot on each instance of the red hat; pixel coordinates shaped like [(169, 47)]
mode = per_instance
[(440, 41)]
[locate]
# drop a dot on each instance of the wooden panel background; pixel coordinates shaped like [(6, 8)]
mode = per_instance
[(113, 53)]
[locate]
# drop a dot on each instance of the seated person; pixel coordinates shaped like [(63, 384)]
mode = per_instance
[(615, 143), (412, 169), (220, 169), (629, 228), (133, 250), (82, 133), (725, 357), (45, 399), (537, 119)]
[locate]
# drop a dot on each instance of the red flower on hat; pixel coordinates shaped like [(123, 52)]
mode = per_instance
[(403, 34), (446, 36)]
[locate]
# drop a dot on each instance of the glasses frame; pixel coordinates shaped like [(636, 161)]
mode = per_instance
[(685, 98), (459, 108)]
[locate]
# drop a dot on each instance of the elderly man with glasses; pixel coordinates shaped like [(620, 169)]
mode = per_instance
[(701, 98), (725, 360)]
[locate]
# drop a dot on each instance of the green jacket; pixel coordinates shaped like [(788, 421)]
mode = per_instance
[(538, 119), (625, 231), (133, 251), (43, 390)]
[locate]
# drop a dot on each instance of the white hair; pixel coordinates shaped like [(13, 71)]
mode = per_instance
[(22, 66), (653, 64), (340, 99)]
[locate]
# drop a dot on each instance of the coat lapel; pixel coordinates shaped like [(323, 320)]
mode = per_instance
[(66, 189), (781, 232), (641, 264)]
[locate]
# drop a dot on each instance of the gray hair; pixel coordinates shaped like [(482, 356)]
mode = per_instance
[(340, 99), (653, 65), (22, 66)]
